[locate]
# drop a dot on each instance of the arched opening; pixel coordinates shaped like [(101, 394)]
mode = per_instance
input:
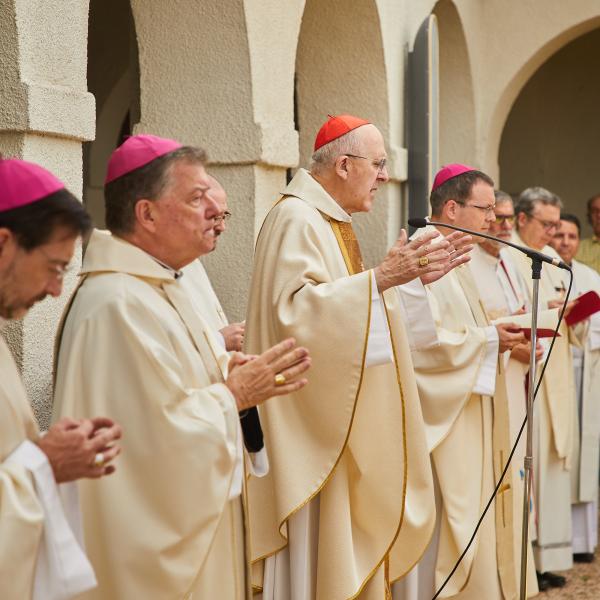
[(457, 142), (113, 78), (340, 68), (550, 136)]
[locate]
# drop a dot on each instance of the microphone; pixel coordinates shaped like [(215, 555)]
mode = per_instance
[(533, 254)]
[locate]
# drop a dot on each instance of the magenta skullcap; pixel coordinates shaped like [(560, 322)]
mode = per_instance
[(22, 183), (137, 151), (448, 172)]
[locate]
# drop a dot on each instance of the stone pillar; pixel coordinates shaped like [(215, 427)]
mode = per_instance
[(45, 114)]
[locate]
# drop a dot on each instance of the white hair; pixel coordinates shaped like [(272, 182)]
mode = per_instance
[(325, 156)]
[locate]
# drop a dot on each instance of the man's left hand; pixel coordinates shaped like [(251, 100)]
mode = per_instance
[(460, 246), (234, 336)]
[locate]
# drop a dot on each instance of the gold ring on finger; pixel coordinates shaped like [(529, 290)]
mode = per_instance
[(280, 379), (99, 459), (423, 261)]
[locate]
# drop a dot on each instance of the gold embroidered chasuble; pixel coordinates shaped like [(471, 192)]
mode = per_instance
[(354, 436), (132, 346)]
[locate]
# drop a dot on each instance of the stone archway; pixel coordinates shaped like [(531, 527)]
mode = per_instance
[(340, 68), (457, 140), (113, 78), (551, 135)]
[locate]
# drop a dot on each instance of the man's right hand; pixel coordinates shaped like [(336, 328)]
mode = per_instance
[(253, 381), (509, 335), (401, 264), (72, 446), (521, 352)]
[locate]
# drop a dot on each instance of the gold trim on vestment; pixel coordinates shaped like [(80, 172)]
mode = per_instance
[(345, 444)]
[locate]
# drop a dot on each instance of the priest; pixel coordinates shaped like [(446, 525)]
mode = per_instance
[(347, 507), (463, 396), (170, 524), (504, 295), (537, 220), (586, 367), (41, 549), (231, 335)]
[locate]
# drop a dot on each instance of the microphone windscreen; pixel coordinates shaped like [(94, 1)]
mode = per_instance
[(418, 222)]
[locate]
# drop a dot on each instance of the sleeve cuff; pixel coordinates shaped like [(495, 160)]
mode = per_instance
[(486, 377), (420, 324)]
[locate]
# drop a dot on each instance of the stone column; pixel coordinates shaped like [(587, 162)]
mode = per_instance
[(45, 114)]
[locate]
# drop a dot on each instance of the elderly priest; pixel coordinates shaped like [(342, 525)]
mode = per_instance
[(41, 555), (171, 523), (347, 507)]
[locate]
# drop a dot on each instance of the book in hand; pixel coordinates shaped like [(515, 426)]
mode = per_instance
[(585, 306), (542, 332)]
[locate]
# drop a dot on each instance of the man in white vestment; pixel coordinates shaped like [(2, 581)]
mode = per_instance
[(41, 549), (347, 506), (230, 334), (462, 390), (503, 292), (171, 523), (586, 366), (538, 218)]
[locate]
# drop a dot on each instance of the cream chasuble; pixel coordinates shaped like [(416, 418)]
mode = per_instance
[(586, 452), (349, 473), (553, 430), (40, 554), (468, 434), (206, 298), (132, 346)]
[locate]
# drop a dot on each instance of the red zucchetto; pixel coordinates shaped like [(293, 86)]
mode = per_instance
[(137, 151), (337, 126), (23, 183)]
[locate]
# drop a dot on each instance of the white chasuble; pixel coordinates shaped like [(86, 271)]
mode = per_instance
[(40, 554), (554, 413), (132, 346), (349, 494), (586, 438), (467, 426)]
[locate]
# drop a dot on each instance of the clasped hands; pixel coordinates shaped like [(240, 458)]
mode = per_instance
[(73, 446), (407, 260)]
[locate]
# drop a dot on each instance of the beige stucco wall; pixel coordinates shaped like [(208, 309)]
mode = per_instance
[(551, 137), (221, 75), (46, 113)]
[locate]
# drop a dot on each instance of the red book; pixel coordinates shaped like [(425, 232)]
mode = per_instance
[(585, 306), (541, 332)]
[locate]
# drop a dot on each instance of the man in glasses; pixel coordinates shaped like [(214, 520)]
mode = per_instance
[(40, 554), (347, 506), (586, 365), (503, 292), (171, 523), (589, 248), (231, 334), (462, 393), (538, 219)]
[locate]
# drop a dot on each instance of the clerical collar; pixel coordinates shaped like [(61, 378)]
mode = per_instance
[(176, 274)]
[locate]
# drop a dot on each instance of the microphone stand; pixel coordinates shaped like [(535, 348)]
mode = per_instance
[(536, 270)]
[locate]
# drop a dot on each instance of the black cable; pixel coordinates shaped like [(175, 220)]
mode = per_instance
[(514, 448)]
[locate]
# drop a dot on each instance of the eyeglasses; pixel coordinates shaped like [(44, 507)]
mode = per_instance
[(56, 266), (380, 163), (489, 210), (547, 225), (222, 218), (505, 218)]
